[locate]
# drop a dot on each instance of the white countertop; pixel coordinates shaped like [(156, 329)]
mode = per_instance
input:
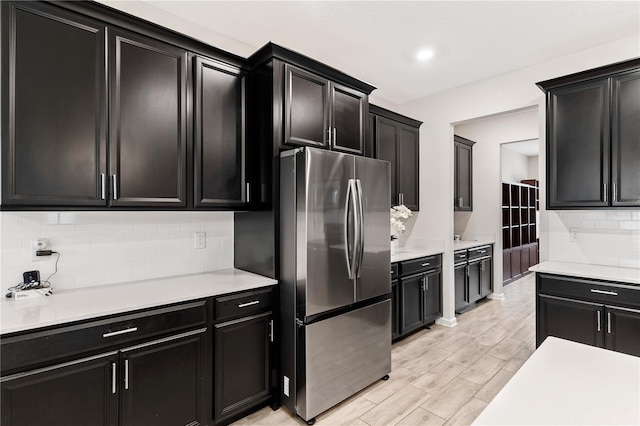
[(413, 253), (465, 244), (75, 305), (568, 383), (609, 273)]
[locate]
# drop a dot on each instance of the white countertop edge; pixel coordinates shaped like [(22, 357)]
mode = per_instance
[(92, 302), (583, 270), (464, 244), (413, 253)]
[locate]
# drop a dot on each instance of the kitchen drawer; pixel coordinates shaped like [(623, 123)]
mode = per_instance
[(394, 271), (476, 252), (40, 348), (422, 264), (243, 304), (459, 256), (608, 293)]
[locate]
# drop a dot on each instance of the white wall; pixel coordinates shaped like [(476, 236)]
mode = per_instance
[(515, 166), (109, 247), (533, 167), (506, 92)]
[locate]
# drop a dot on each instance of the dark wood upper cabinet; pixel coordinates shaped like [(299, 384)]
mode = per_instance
[(593, 156), (53, 104), (306, 106), (348, 117), (463, 174), (625, 139), (148, 121), (396, 139), (219, 135), (322, 113)]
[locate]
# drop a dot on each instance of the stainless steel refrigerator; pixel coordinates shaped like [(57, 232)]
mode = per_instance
[(334, 277)]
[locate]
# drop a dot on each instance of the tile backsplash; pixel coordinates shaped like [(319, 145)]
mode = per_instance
[(604, 237), (98, 248)]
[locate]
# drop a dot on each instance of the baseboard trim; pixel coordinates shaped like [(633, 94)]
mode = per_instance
[(447, 322)]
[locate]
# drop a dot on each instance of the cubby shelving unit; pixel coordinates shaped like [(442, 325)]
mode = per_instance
[(520, 202)]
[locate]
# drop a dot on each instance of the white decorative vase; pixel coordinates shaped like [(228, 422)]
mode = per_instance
[(394, 247)]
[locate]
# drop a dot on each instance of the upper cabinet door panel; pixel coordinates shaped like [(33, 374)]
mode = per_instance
[(53, 107), (578, 145), (408, 163), (386, 148), (625, 143), (348, 119), (306, 105), (148, 138), (219, 134)]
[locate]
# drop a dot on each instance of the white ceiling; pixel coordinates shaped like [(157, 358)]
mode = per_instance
[(376, 41), (527, 148)]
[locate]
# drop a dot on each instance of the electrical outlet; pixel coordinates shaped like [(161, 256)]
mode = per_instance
[(199, 240), (39, 244), (573, 235)]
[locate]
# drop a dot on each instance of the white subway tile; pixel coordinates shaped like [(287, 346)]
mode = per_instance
[(606, 261), (619, 215), (582, 224), (595, 215), (629, 224), (635, 215), (630, 263), (606, 224)]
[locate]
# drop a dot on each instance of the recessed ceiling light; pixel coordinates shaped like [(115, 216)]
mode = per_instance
[(424, 55)]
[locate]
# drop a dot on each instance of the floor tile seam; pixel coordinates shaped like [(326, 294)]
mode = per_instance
[(415, 405)]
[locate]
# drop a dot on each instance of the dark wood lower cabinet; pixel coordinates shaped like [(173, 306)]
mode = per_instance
[(460, 282), (516, 262), (75, 393), (569, 319), (623, 330), (585, 311), (242, 366), (164, 382), (416, 294)]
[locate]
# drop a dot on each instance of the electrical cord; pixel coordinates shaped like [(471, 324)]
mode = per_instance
[(35, 284)]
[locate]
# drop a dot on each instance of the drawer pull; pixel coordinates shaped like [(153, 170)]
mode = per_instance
[(117, 333), (425, 264), (113, 377), (392, 272), (598, 320), (610, 293), (126, 374), (244, 305), (483, 251)]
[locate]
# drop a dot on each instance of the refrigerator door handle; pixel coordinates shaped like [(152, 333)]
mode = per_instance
[(350, 253), (359, 230)]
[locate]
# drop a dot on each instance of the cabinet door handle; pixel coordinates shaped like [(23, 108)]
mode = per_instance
[(610, 293), (244, 305), (126, 374), (460, 202), (117, 333), (483, 251), (334, 137), (113, 377), (402, 198), (392, 272), (329, 132), (482, 265), (609, 322), (467, 268), (271, 331), (248, 189), (103, 186), (598, 320), (605, 192), (614, 193), (425, 264), (115, 187)]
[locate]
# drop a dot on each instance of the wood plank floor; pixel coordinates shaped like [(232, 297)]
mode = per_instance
[(441, 376)]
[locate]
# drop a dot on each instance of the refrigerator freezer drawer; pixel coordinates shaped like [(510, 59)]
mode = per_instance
[(344, 354)]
